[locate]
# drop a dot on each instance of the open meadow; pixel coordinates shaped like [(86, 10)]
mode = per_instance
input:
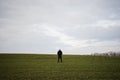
[(45, 67)]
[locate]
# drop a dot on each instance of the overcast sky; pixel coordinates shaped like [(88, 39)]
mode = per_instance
[(44, 26)]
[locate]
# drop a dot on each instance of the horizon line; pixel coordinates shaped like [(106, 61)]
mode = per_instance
[(45, 53)]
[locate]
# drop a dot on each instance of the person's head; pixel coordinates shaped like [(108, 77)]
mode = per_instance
[(59, 49)]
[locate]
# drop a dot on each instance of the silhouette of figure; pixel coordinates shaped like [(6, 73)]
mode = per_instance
[(59, 53)]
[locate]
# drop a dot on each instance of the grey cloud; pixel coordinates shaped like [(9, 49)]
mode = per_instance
[(22, 30), (105, 30), (54, 12)]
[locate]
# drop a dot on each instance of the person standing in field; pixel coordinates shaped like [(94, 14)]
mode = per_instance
[(59, 53)]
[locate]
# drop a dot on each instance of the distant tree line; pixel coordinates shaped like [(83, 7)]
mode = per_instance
[(110, 53)]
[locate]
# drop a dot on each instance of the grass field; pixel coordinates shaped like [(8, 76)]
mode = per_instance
[(45, 67)]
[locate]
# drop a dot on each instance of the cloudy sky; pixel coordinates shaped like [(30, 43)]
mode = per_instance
[(44, 26)]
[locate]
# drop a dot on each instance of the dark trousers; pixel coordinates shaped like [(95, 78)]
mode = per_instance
[(59, 58)]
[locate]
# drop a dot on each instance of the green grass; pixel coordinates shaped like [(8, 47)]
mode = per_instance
[(45, 67)]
